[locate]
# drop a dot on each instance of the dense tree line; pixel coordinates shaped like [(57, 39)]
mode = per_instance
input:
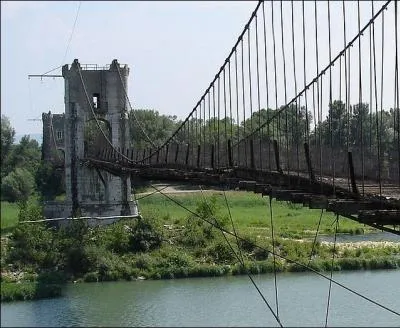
[(345, 126), (22, 170), (358, 126)]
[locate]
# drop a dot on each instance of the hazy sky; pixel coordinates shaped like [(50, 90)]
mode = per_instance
[(173, 50)]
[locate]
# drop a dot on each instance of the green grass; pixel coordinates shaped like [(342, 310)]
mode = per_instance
[(168, 242), (250, 213), (9, 216)]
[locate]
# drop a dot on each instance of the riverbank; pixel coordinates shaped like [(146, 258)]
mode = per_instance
[(170, 243), (27, 291)]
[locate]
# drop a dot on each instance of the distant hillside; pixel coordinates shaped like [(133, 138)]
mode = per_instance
[(37, 136)]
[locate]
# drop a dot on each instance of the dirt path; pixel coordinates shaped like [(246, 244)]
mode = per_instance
[(175, 189)]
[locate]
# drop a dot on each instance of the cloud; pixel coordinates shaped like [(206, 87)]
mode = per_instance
[(11, 9)]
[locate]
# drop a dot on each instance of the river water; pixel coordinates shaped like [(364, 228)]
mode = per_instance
[(374, 237), (222, 301)]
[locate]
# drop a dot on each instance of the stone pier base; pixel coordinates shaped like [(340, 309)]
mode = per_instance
[(94, 214)]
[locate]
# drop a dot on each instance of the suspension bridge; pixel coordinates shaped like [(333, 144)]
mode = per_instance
[(305, 108)]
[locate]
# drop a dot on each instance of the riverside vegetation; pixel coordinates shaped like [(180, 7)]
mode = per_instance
[(169, 242)]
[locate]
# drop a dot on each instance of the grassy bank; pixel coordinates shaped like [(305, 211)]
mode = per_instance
[(9, 216), (169, 242), (251, 213), (24, 291)]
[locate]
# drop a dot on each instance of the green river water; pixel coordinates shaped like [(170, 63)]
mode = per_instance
[(222, 301)]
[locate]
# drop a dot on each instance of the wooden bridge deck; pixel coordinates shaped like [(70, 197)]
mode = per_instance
[(381, 212)]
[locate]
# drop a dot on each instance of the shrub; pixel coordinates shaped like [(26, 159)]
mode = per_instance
[(33, 244), (91, 277), (193, 235), (52, 277), (260, 254), (269, 266), (72, 247), (247, 243), (17, 186), (49, 181), (351, 263), (30, 211), (117, 238), (28, 291), (220, 252), (207, 270), (293, 267), (143, 261), (146, 235)]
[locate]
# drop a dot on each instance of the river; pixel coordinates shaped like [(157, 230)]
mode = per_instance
[(222, 301)]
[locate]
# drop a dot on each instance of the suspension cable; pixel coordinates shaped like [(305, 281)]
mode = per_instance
[(240, 257), (331, 273), (72, 33), (240, 39), (274, 257), (133, 111), (322, 72), (315, 237), (279, 255), (97, 121)]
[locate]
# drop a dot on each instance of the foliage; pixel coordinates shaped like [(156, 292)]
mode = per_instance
[(9, 216), (49, 181), (7, 139), (71, 241), (220, 252), (26, 154), (94, 137), (18, 164), (28, 291), (198, 228), (33, 244), (156, 127), (143, 249), (30, 210), (145, 236), (357, 125), (17, 186)]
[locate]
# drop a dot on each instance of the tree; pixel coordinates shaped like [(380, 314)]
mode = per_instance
[(94, 137), (26, 154), (17, 186), (149, 124), (7, 138), (288, 122), (49, 181), (334, 130)]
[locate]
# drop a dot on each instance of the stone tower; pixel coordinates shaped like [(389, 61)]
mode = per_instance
[(53, 146), (95, 114)]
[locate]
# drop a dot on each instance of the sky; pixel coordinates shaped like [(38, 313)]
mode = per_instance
[(173, 50)]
